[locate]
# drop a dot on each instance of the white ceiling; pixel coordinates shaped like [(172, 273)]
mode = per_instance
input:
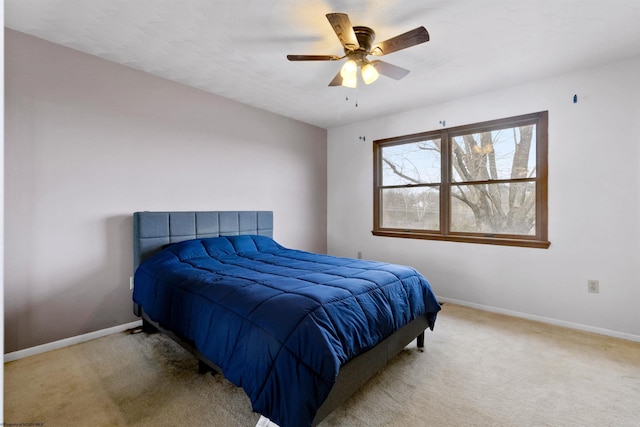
[(237, 48)]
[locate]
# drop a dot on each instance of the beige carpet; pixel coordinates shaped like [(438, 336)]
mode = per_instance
[(479, 369)]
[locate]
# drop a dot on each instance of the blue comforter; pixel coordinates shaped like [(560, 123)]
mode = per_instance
[(279, 322)]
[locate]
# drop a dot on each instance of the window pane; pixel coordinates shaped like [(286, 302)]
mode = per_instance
[(411, 208), (494, 208), (411, 163), (500, 154)]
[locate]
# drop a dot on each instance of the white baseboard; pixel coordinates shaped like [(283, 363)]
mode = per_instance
[(32, 351), (570, 325)]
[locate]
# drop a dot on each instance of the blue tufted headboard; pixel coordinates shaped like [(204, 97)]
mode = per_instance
[(154, 230)]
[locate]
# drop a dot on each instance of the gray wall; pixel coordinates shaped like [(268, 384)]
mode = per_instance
[(88, 142)]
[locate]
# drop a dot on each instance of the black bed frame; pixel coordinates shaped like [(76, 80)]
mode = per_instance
[(154, 230)]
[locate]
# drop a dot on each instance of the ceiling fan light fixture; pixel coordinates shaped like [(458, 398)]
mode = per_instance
[(349, 70), (369, 73)]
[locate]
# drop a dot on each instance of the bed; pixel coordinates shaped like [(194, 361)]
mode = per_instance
[(299, 332)]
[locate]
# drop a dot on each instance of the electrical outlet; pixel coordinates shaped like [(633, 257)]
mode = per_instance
[(131, 282), (359, 255), (593, 286)]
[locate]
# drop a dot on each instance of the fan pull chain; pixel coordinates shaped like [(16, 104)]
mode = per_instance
[(347, 100)]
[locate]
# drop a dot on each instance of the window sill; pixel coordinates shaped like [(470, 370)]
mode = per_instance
[(502, 241)]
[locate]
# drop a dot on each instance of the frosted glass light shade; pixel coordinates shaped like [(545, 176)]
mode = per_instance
[(349, 70), (369, 73), (350, 82)]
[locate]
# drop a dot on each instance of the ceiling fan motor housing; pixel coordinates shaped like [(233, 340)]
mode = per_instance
[(365, 36)]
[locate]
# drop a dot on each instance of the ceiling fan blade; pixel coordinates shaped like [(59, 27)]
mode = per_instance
[(337, 80), (344, 30), (313, 57), (390, 70), (403, 41)]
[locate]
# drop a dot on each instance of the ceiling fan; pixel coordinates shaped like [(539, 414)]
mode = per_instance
[(358, 43)]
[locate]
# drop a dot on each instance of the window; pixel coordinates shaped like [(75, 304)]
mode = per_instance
[(480, 183)]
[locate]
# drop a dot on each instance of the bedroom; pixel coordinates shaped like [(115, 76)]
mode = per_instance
[(88, 142)]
